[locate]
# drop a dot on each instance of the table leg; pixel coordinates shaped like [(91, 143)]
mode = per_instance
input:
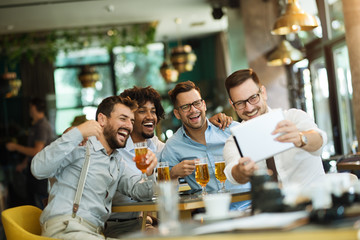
[(185, 214), (143, 224)]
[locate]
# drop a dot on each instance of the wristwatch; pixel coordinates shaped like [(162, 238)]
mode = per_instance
[(303, 139)]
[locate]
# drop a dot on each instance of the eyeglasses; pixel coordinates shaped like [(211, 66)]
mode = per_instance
[(254, 99), (186, 107)]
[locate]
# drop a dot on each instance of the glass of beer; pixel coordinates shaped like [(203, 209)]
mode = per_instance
[(202, 175), (163, 172), (140, 158), (219, 172)]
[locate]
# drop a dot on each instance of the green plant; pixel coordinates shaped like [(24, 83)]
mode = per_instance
[(46, 45)]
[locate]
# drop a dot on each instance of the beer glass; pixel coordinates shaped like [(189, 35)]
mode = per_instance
[(163, 172), (219, 172), (202, 175), (140, 159)]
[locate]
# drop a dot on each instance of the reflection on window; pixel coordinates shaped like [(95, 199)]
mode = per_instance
[(336, 17), (134, 68), (321, 103), (345, 96), (71, 98)]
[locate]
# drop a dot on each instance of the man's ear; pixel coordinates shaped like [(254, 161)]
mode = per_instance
[(102, 119), (176, 113), (231, 104), (264, 93)]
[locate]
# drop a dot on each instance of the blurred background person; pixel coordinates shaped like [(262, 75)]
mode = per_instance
[(40, 135)]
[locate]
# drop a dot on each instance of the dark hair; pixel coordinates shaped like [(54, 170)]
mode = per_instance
[(180, 88), (107, 105), (239, 77), (39, 104), (142, 95)]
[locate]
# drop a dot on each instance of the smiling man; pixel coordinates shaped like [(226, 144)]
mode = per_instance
[(148, 114), (301, 165), (196, 138), (64, 159)]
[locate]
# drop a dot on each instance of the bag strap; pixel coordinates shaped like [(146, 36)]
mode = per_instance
[(82, 180)]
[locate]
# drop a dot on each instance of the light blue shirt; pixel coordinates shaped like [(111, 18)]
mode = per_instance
[(181, 147), (63, 160), (128, 153)]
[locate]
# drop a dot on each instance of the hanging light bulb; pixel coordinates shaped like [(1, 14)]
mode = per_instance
[(88, 76), (284, 54), (294, 20), (9, 84), (182, 57), (167, 70)]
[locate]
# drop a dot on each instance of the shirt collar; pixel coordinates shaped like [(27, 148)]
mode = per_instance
[(99, 147), (130, 145), (209, 126)]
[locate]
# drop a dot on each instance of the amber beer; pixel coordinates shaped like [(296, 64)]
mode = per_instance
[(140, 159), (219, 171), (163, 173), (202, 174)]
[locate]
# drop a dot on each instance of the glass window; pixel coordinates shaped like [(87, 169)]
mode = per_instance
[(336, 18), (321, 103), (136, 68), (345, 95), (71, 98)]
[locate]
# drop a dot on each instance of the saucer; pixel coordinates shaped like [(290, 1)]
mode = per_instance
[(229, 215)]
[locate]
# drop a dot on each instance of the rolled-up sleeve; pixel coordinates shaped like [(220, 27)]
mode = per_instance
[(55, 156), (231, 157), (130, 184)]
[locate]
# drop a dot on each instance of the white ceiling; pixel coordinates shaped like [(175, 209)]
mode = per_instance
[(18, 16)]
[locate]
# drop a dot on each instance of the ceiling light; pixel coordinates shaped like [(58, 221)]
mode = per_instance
[(88, 76), (284, 54), (294, 20)]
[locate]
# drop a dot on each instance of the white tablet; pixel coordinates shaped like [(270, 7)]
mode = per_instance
[(254, 139)]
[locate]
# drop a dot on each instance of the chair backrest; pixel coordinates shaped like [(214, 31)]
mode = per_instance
[(22, 223)]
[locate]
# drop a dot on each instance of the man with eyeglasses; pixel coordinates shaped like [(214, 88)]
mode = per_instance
[(299, 166), (196, 138)]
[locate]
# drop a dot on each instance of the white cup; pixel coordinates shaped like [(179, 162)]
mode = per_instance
[(217, 205)]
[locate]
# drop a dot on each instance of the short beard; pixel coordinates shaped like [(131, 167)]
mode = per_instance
[(110, 137), (146, 136)]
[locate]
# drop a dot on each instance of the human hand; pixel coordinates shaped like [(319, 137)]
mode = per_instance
[(242, 171), (151, 159), (21, 166), (221, 120), (83, 141), (288, 131), (183, 169), (90, 128), (10, 146)]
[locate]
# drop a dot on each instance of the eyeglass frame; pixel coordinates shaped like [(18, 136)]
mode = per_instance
[(191, 104), (256, 95)]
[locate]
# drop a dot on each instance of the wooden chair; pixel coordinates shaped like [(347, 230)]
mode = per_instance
[(22, 223)]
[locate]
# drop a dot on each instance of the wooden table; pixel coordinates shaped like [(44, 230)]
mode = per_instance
[(187, 204)]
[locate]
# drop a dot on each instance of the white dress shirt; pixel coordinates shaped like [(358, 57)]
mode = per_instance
[(294, 166)]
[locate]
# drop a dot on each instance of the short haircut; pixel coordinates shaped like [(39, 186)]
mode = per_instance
[(143, 95), (180, 88), (39, 104), (239, 77), (107, 105)]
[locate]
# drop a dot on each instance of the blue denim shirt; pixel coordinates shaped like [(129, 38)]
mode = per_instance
[(181, 147)]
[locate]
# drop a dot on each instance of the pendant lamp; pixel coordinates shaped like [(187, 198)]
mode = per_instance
[(294, 20), (9, 84), (167, 70), (182, 56), (284, 54), (88, 76)]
